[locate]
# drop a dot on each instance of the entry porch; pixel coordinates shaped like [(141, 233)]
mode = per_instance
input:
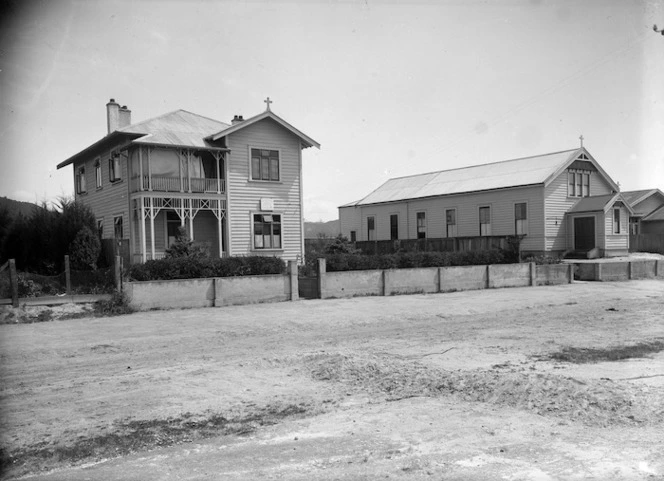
[(157, 218)]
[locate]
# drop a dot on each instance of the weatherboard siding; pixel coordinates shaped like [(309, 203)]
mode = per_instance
[(559, 236), (245, 194), (467, 206), (350, 220), (111, 199), (616, 241)]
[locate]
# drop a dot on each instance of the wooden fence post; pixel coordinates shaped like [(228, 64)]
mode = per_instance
[(118, 273), (13, 281), (67, 276)]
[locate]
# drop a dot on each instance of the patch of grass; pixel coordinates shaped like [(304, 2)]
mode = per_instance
[(141, 435), (585, 355)]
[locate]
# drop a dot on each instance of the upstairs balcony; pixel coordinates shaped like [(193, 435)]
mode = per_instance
[(177, 170), (161, 183)]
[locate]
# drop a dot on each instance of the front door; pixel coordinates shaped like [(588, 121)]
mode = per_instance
[(584, 233)]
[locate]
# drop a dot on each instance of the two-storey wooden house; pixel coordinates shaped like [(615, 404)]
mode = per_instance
[(236, 188), (562, 201)]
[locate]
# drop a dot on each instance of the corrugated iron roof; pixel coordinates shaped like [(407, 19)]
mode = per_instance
[(179, 128), (593, 204), (635, 197), (655, 215), (498, 175)]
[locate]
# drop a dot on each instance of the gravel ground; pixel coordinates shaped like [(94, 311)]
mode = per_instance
[(444, 386)]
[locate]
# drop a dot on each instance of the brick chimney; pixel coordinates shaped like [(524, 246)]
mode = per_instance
[(112, 115), (237, 119), (125, 117)]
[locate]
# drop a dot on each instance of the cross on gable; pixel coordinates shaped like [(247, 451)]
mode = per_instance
[(581, 139), (268, 102)]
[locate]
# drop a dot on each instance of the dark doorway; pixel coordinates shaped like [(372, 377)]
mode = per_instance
[(584, 233)]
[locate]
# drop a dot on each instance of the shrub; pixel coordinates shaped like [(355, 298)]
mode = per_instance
[(401, 260), (193, 267), (185, 247), (117, 305), (543, 260)]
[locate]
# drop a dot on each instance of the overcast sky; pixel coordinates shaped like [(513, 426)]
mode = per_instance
[(389, 88)]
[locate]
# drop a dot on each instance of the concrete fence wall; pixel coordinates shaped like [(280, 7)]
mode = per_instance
[(437, 279), (218, 291), (227, 291), (619, 271)]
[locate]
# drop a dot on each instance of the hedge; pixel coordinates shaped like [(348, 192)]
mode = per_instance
[(354, 262), (194, 268)]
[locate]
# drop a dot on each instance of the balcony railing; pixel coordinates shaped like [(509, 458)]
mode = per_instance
[(175, 184)]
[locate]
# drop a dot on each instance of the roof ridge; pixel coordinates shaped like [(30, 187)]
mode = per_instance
[(137, 124), (202, 116), (481, 165)]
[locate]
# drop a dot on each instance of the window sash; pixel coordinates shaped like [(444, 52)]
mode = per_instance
[(371, 228), (114, 168), (265, 165), (394, 227), (450, 216), (267, 231), (616, 221), (117, 227), (98, 174), (586, 185), (80, 181), (485, 221), (421, 225)]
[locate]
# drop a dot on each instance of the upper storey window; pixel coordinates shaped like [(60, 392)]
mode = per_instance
[(264, 165), (114, 170), (80, 181), (578, 183)]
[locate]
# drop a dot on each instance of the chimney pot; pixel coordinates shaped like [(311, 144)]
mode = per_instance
[(237, 119)]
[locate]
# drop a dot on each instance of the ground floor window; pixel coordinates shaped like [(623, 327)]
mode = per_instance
[(371, 228), (520, 219), (451, 222), (616, 221), (267, 231), (421, 225), (394, 227), (173, 223), (485, 221), (118, 232), (100, 228), (353, 236)]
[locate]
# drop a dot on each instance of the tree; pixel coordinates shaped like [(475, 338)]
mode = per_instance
[(84, 250)]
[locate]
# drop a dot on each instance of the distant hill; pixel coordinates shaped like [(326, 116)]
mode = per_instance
[(16, 207), (313, 230)]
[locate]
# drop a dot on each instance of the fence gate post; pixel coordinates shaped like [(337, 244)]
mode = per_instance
[(321, 268), (67, 276), (13, 281), (294, 285)]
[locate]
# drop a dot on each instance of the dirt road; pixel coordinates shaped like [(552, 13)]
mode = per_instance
[(445, 386)]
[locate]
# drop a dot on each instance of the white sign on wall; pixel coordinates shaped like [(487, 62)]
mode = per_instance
[(267, 204)]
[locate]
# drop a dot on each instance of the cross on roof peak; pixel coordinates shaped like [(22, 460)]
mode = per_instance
[(581, 139), (268, 102)]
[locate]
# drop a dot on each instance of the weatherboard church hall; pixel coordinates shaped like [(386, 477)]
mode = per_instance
[(560, 202), (236, 188)]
